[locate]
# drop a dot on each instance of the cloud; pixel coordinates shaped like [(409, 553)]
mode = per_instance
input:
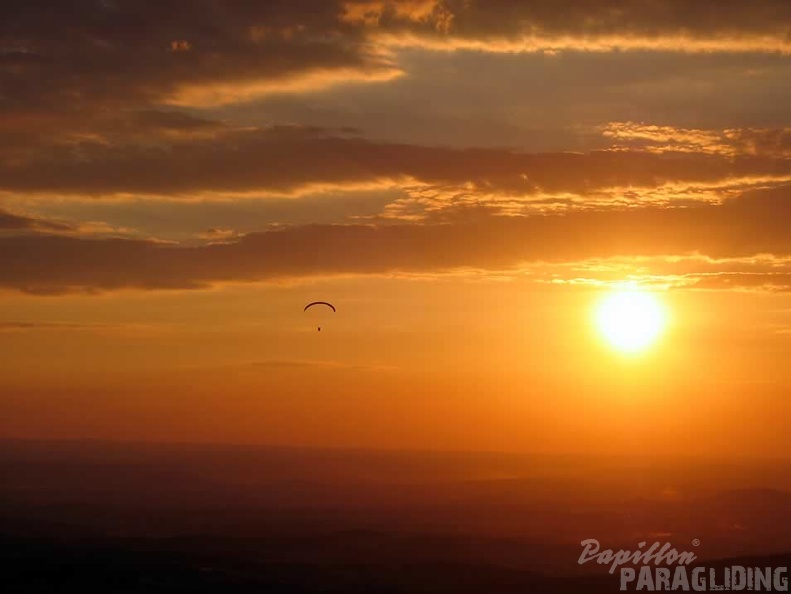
[(449, 203), (98, 97), (598, 25), (219, 235), (73, 60), (730, 142), (758, 272), (754, 223), (192, 220), (16, 223), (775, 281), (294, 159), (65, 63)]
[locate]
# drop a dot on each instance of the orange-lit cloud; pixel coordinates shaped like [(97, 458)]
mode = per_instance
[(600, 25), (211, 94), (448, 203), (759, 272), (743, 227), (731, 142)]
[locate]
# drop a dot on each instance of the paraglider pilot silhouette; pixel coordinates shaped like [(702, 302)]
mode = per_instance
[(309, 305)]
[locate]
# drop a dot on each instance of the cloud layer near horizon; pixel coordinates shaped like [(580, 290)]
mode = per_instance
[(748, 228)]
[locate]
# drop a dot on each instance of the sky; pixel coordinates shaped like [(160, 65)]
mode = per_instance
[(465, 181)]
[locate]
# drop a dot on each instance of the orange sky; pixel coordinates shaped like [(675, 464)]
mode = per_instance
[(463, 180)]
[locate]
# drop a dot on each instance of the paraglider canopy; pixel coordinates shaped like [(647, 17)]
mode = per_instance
[(330, 305), (309, 305)]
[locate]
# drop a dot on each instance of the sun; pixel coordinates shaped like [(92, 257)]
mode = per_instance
[(631, 321)]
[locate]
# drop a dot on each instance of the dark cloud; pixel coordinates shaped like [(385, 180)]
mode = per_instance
[(763, 141), (490, 21), (63, 63), (13, 222), (80, 73), (755, 223), (81, 58), (153, 120), (286, 158)]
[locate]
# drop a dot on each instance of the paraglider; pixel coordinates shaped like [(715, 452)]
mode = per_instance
[(309, 305)]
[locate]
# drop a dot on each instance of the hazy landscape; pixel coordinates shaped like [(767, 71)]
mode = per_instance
[(170, 517)]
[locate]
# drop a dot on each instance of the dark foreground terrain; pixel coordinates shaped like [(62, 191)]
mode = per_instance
[(114, 518), (258, 565)]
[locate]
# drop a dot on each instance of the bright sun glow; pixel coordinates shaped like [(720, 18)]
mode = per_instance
[(630, 320)]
